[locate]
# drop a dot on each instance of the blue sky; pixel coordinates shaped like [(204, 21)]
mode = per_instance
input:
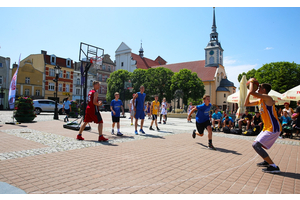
[(250, 36)]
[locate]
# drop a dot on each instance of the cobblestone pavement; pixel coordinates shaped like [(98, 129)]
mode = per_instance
[(43, 157)]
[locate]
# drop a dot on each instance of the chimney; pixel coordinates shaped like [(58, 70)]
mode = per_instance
[(43, 52)]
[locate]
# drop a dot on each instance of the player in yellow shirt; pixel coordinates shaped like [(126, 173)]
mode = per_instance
[(272, 127), (154, 109)]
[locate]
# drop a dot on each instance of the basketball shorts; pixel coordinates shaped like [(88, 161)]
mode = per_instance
[(132, 113), (139, 114), (164, 111), (115, 119), (92, 116), (202, 126), (154, 117), (67, 111), (267, 138)]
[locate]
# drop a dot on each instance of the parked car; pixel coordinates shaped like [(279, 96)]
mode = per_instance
[(46, 105)]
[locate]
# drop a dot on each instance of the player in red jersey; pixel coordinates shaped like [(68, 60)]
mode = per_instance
[(92, 113)]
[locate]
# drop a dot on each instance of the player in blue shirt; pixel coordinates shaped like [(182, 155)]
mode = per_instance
[(138, 106), (67, 108), (228, 121), (216, 117), (115, 107), (202, 120)]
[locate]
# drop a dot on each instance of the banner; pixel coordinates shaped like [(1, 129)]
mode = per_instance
[(12, 88)]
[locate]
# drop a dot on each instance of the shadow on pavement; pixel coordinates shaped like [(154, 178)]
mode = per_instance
[(104, 143), (152, 136), (289, 175), (221, 149)]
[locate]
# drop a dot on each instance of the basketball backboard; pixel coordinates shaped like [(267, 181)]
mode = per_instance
[(88, 52)]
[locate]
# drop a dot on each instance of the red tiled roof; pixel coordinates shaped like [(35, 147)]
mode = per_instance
[(143, 63), (204, 73)]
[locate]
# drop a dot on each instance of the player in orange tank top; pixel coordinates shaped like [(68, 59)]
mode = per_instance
[(272, 128)]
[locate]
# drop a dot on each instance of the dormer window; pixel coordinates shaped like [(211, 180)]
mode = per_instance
[(68, 63), (53, 59)]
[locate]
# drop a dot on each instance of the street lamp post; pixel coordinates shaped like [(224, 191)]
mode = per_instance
[(1, 96), (57, 71)]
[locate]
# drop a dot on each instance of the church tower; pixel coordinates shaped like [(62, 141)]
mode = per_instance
[(213, 50)]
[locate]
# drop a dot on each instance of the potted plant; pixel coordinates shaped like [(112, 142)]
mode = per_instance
[(24, 110)]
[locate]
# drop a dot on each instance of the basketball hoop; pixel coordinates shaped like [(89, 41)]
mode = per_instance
[(130, 89), (96, 61)]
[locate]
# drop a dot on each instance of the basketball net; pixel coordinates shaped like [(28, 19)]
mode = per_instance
[(96, 61)]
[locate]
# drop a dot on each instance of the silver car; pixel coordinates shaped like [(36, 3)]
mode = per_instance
[(46, 105)]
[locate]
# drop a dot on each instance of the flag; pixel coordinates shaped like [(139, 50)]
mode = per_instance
[(82, 74), (12, 88)]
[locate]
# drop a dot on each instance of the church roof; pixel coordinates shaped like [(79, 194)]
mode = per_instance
[(143, 62), (222, 89), (226, 83), (204, 73)]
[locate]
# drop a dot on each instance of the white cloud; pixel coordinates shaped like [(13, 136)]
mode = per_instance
[(233, 71), (268, 48)]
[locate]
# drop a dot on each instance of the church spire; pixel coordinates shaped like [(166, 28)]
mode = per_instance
[(214, 34), (141, 51)]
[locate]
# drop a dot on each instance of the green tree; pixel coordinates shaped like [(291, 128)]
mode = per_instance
[(190, 84), (138, 78), (115, 83), (249, 74), (281, 75), (158, 81)]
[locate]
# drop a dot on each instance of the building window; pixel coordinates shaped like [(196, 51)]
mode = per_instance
[(211, 60), (108, 68), (53, 60), (100, 77), (91, 83), (105, 78), (68, 63), (67, 88), (77, 91), (60, 74), (1, 79), (78, 81), (122, 64), (1, 65), (37, 93), (51, 86), (68, 75), (27, 80), (60, 87), (103, 67), (224, 95), (27, 92), (51, 72)]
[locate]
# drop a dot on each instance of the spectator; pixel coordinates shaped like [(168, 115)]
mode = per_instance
[(296, 118), (246, 120), (216, 117), (286, 127), (287, 108), (228, 121), (190, 108), (257, 121)]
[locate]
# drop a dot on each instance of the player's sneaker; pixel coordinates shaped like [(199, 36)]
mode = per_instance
[(263, 164), (119, 134), (194, 133), (141, 131), (159, 122), (211, 147), (157, 128), (112, 132), (152, 129), (271, 169), (135, 132), (102, 139), (79, 137), (131, 124)]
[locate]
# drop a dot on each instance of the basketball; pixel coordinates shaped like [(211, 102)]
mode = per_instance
[(255, 84)]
